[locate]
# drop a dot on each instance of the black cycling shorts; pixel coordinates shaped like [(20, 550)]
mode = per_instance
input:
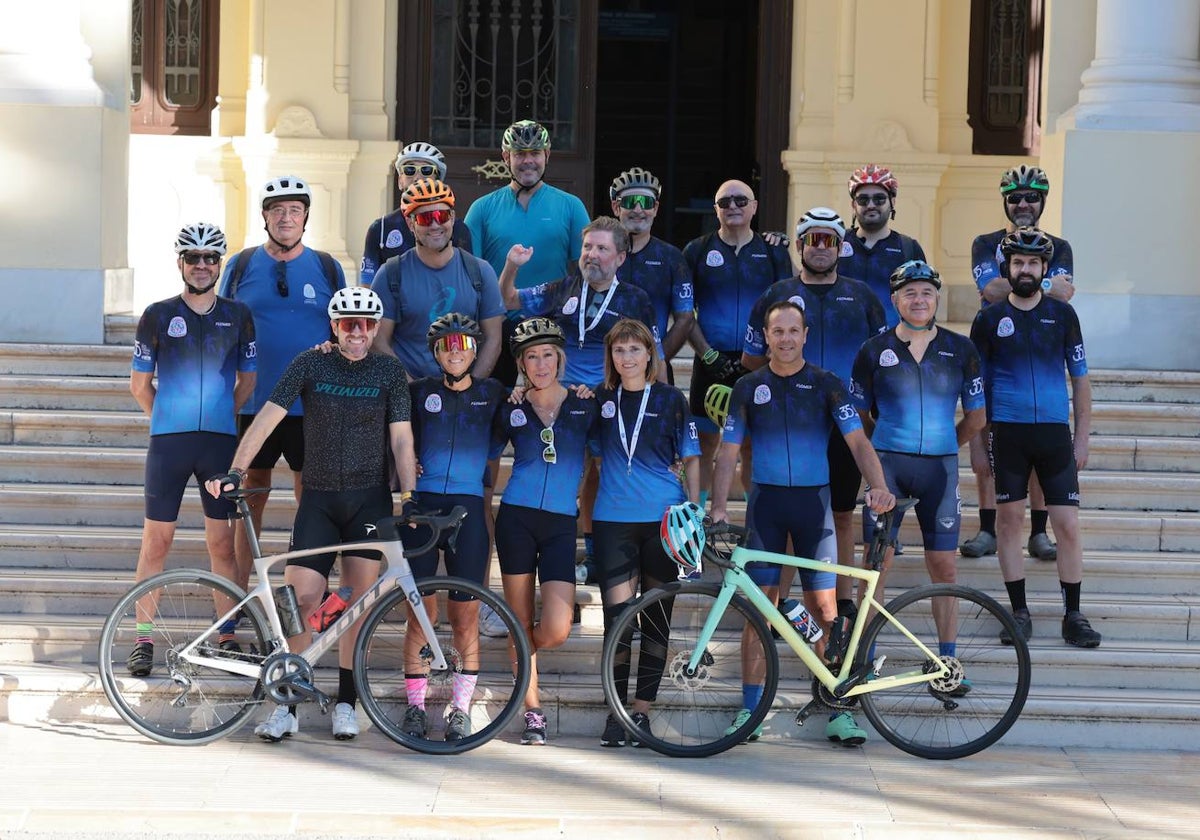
[(286, 439), (173, 459), (529, 540), (844, 477), (328, 517), (469, 559), (1047, 448)]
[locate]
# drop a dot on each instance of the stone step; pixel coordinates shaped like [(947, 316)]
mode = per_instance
[(120, 328), (70, 393), (75, 428), (51, 360)]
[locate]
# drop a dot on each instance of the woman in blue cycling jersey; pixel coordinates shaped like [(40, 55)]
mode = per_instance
[(536, 526), (644, 434)]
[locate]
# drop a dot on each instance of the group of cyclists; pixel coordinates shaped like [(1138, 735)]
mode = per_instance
[(810, 381)]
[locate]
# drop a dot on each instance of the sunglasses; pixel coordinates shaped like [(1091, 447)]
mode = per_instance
[(208, 258), (727, 201), (548, 454), (281, 284), (427, 170), (457, 341), (1028, 197), (432, 217), (644, 202), (820, 239), (879, 199), (349, 325)]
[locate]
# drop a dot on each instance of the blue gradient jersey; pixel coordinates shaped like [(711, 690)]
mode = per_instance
[(914, 402), (1023, 355), (874, 266), (790, 419), (535, 483), (660, 271), (452, 433), (552, 225), (986, 258), (641, 490), (390, 237), (840, 317), (197, 358), (284, 326), (726, 284), (560, 301)]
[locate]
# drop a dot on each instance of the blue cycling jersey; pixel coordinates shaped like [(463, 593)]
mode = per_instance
[(790, 418), (560, 301), (552, 225), (1023, 355), (986, 258), (914, 402), (534, 482), (726, 283), (641, 489), (285, 326), (452, 433), (197, 359), (660, 271), (391, 236), (840, 316), (874, 266)]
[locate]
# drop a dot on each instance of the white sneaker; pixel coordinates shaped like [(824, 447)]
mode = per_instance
[(491, 624), (278, 726), (345, 724)]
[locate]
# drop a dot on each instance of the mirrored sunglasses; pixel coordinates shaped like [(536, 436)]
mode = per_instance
[(349, 325), (457, 341), (821, 239), (631, 202), (432, 217)]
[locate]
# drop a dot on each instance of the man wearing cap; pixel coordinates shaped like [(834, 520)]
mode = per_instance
[(390, 235)]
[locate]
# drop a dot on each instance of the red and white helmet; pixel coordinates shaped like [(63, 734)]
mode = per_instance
[(872, 174)]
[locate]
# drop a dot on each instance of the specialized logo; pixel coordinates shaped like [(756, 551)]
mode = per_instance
[(609, 410), (845, 412), (799, 301), (394, 239), (714, 259), (518, 418), (177, 328), (571, 306), (762, 395), (370, 528), (333, 389), (847, 250), (888, 358), (433, 403), (1005, 328)]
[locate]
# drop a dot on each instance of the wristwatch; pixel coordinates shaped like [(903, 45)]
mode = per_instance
[(1046, 284)]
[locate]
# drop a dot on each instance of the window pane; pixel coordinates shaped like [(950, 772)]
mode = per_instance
[(499, 61), (181, 52), (1008, 63), (135, 85)]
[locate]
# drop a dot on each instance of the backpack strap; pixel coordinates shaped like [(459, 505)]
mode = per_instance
[(394, 286), (329, 267), (239, 268), (908, 248)]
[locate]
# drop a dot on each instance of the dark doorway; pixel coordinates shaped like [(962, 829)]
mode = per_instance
[(678, 92)]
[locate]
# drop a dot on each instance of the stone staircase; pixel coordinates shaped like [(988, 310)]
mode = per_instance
[(72, 447)]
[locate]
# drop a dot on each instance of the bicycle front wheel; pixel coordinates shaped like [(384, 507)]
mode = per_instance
[(692, 713), (487, 675), (969, 710), (178, 702)]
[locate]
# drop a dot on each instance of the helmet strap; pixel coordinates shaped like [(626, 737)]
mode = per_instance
[(196, 290), (454, 379), (818, 274), (915, 328)]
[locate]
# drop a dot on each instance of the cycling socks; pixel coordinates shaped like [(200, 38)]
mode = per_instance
[(987, 520), (1016, 594), (464, 689), (751, 694), (947, 648), (347, 693), (1070, 595), (415, 686), (225, 631), (1037, 522)]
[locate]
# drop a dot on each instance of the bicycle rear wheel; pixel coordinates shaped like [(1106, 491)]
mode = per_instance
[(381, 663), (178, 702), (967, 711), (691, 713)]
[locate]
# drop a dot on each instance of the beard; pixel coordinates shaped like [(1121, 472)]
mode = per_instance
[(1024, 285)]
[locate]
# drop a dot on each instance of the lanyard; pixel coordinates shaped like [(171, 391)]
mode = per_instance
[(630, 448), (583, 331)]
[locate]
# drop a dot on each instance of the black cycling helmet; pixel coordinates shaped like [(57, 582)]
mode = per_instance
[(452, 323), (914, 271), (1027, 240), (525, 135), (1024, 178), (534, 331)]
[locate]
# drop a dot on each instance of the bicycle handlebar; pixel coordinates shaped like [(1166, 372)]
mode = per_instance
[(389, 527)]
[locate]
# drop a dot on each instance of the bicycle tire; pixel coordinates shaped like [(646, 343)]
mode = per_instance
[(379, 669), (689, 713), (919, 719), (215, 702)]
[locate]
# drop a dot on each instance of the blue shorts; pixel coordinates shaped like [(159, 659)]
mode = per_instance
[(529, 540), (329, 517), (802, 513), (173, 459), (933, 481), (469, 558)]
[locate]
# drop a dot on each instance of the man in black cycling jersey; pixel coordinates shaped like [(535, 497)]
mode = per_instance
[(353, 401)]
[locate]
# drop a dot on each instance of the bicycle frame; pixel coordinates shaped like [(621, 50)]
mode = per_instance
[(737, 580)]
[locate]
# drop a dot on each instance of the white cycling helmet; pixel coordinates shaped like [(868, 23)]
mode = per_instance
[(821, 218), (422, 152), (286, 186), (200, 236), (355, 302)]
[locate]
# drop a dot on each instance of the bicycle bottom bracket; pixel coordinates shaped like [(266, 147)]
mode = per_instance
[(827, 698), (286, 676)]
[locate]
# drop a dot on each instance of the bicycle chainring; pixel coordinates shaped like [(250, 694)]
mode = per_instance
[(280, 672), (825, 697)]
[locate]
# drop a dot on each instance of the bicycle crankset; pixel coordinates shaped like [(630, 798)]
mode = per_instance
[(825, 697), (288, 679)]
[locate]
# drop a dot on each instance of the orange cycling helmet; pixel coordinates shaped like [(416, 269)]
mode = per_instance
[(423, 193)]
